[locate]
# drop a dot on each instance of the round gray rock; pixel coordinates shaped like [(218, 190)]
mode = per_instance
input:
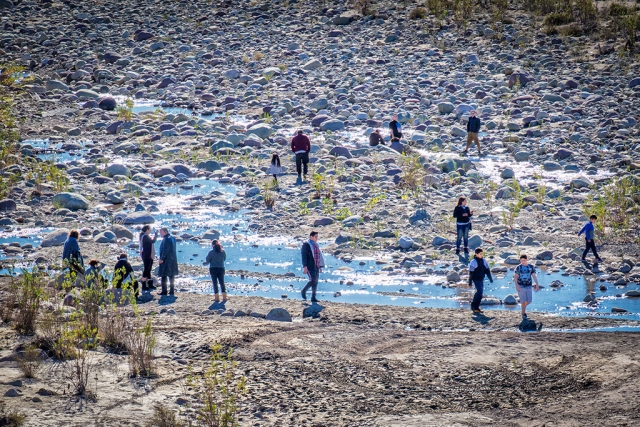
[(55, 238), (70, 201), (279, 315)]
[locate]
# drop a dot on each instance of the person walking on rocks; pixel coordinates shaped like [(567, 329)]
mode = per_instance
[(312, 265), (301, 146), (71, 256), (478, 270), (523, 279), (148, 254), (463, 215), (395, 128), (216, 258), (168, 261), (589, 235), (375, 138), (123, 274), (473, 128), (275, 168)]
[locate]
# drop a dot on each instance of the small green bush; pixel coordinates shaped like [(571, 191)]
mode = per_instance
[(418, 13), (557, 18), (570, 30), (617, 9)]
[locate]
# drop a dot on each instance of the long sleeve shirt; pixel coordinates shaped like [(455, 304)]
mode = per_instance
[(588, 230)]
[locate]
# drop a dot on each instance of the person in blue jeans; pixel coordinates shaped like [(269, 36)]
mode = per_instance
[(463, 215), (589, 236), (478, 270)]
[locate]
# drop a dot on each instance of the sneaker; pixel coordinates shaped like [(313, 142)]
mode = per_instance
[(524, 316), (458, 251), (466, 250)]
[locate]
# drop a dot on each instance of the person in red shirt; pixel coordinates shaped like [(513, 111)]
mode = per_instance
[(301, 146)]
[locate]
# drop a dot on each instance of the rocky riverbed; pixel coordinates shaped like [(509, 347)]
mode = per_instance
[(168, 113)]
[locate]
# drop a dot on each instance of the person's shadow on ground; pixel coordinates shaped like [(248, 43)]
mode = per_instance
[(463, 258), (299, 181), (312, 310), (167, 299), (482, 318), (217, 305)]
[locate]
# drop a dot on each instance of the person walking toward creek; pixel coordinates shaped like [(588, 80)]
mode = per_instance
[(168, 261), (312, 265), (463, 215), (478, 270)]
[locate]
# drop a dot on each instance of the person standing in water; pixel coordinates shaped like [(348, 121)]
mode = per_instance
[(148, 254), (168, 261), (463, 215), (523, 279), (312, 265), (589, 231), (216, 258), (478, 270), (395, 128)]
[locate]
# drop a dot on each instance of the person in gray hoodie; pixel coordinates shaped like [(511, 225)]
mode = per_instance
[(216, 258)]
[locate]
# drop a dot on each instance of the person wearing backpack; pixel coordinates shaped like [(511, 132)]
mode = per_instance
[(523, 279), (478, 270)]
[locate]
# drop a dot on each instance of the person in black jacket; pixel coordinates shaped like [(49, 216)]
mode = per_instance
[(312, 264), (123, 273), (478, 269), (395, 128), (463, 215), (375, 138), (473, 128), (147, 253)]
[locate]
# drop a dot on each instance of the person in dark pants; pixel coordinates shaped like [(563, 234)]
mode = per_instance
[(473, 128), (375, 138), (147, 253), (478, 269), (312, 264), (71, 256), (589, 235), (462, 214), (395, 128), (301, 146), (168, 262), (123, 274), (216, 258)]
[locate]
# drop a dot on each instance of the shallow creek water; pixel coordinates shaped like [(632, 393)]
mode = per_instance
[(358, 281)]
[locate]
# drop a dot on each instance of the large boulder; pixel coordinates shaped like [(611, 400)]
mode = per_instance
[(7, 205), (340, 152), (279, 315), (445, 107), (211, 234), (209, 165), (117, 169), (405, 242), (131, 218), (332, 125), (121, 232), (106, 237), (70, 201), (521, 78), (140, 36), (172, 169), (55, 238), (261, 130), (108, 103), (111, 57)]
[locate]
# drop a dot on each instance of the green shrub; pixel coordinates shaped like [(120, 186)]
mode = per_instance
[(557, 18), (29, 292), (617, 9), (570, 30), (418, 13)]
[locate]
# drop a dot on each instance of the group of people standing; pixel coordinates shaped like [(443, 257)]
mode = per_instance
[(525, 274)]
